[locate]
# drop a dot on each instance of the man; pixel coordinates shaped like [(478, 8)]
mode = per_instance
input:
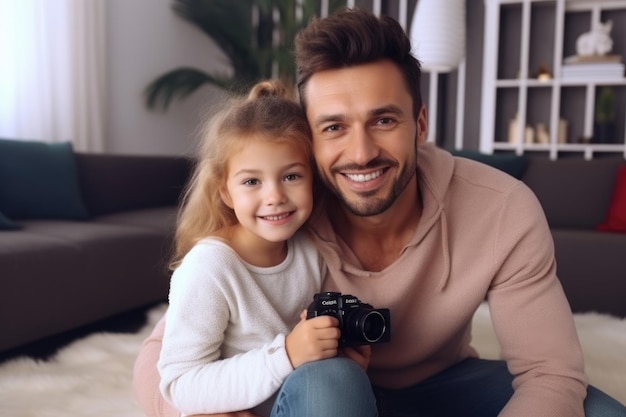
[(408, 227)]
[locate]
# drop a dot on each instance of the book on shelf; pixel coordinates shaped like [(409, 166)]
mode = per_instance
[(616, 74), (593, 59), (594, 66)]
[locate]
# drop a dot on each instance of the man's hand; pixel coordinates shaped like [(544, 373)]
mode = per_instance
[(312, 340), (360, 354)]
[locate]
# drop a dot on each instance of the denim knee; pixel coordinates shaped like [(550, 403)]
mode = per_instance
[(599, 404), (336, 386)]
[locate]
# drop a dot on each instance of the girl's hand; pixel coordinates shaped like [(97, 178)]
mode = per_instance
[(360, 354), (312, 340)]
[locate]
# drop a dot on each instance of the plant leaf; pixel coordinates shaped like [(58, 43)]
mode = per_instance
[(252, 50), (181, 82)]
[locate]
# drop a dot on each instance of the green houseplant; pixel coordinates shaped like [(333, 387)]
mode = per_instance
[(254, 51), (604, 121)]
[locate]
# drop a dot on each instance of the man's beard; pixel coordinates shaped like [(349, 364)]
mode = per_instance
[(366, 204)]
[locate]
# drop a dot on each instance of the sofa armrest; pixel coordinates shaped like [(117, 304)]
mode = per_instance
[(113, 183)]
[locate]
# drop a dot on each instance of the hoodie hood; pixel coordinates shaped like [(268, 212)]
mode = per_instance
[(435, 168)]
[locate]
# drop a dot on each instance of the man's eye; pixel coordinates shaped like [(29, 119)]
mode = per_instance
[(332, 128), (386, 123)]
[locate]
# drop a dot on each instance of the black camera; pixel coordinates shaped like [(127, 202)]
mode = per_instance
[(359, 323)]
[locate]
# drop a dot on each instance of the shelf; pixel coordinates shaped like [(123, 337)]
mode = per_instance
[(559, 81), (522, 39), (594, 82), (588, 150)]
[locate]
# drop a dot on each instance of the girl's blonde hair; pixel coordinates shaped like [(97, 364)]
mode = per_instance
[(267, 113)]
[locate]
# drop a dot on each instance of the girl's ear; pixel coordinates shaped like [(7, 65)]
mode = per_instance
[(225, 195)]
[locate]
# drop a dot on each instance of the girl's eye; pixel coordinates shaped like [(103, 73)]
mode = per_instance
[(292, 177), (251, 182)]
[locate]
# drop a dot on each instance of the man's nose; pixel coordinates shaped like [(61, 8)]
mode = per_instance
[(362, 147)]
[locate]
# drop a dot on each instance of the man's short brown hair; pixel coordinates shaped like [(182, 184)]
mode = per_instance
[(353, 37)]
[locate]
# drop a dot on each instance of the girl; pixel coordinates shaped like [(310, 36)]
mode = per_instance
[(243, 270)]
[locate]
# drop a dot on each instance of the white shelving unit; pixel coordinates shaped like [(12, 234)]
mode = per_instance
[(513, 26)]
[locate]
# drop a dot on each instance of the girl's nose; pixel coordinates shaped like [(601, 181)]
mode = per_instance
[(275, 194)]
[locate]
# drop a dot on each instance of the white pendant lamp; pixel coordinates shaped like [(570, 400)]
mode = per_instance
[(438, 34), (438, 42)]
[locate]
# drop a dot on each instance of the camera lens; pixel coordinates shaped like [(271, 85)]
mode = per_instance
[(371, 326)]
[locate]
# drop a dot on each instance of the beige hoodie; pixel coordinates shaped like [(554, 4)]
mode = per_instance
[(482, 235)]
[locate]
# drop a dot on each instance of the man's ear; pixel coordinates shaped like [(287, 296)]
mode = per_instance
[(422, 126), (225, 195)]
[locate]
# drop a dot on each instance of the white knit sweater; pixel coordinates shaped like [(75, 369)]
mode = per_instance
[(224, 345)]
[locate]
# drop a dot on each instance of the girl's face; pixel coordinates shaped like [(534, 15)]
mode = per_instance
[(269, 186)]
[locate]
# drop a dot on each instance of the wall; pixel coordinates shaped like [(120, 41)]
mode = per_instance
[(473, 84), (146, 39)]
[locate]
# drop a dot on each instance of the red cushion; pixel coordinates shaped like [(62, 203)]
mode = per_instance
[(616, 217)]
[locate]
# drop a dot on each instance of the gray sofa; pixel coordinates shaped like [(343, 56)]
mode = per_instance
[(59, 274), (575, 195)]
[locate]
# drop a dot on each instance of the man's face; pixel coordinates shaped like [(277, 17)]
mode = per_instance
[(364, 134)]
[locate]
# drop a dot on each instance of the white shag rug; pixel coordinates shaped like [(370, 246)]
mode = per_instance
[(92, 376)]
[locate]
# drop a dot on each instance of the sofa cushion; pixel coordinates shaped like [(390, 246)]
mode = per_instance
[(59, 274), (39, 180), (513, 165), (616, 216), (7, 224), (573, 192), (590, 266), (161, 219), (137, 182)]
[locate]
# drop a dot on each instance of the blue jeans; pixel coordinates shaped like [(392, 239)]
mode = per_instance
[(474, 387), (327, 388)]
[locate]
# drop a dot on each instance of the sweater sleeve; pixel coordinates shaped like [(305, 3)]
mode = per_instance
[(195, 377), (531, 316)]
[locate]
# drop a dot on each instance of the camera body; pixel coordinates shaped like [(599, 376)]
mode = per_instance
[(359, 323)]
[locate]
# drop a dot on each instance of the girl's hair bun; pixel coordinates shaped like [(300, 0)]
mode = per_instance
[(268, 88)]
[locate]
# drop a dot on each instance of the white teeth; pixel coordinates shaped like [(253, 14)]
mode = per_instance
[(367, 177), (275, 218)]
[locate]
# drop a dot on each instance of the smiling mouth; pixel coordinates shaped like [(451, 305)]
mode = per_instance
[(276, 217), (365, 177)]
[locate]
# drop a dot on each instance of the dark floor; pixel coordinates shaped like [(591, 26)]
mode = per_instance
[(129, 322)]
